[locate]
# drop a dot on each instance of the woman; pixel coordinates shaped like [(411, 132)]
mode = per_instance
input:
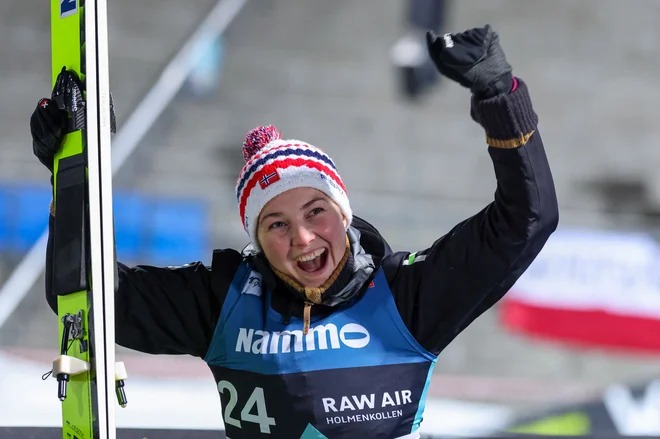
[(318, 329)]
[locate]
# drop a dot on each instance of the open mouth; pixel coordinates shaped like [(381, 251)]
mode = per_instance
[(314, 261)]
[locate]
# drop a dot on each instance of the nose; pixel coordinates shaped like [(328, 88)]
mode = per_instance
[(301, 236)]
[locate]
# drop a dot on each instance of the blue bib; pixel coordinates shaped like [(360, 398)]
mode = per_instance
[(357, 373)]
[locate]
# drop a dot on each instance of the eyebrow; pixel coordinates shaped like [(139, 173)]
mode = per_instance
[(304, 206)]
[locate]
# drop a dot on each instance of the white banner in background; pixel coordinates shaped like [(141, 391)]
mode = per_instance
[(591, 287)]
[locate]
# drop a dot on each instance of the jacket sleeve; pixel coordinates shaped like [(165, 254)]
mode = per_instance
[(439, 291), (165, 310)]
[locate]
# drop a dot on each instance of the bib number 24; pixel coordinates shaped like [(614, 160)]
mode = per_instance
[(255, 403)]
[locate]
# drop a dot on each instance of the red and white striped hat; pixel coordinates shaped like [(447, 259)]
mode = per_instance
[(273, 166)]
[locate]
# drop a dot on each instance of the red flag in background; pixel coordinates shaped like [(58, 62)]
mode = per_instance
[(590, 288)]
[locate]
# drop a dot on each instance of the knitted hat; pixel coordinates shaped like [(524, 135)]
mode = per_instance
[(273, 166)]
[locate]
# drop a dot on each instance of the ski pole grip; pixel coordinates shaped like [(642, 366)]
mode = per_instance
[(70, 228)]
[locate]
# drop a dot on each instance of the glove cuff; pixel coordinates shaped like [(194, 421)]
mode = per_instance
[(509, 119), (502, 85)]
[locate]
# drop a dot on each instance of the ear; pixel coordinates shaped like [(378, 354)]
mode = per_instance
[(344, 220)]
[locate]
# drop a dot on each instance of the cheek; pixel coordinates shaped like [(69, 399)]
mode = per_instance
[(275, 249), (333, 231), (340, 240)]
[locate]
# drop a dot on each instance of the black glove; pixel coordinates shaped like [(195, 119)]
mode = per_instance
[(48, 125), (474, 59)]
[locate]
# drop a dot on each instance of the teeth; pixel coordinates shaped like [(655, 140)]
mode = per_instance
[(310, 256)]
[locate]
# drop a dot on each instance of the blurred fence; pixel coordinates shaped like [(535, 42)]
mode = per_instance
[(319, 70)]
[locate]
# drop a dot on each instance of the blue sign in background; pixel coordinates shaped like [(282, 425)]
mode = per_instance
[(149, 229)]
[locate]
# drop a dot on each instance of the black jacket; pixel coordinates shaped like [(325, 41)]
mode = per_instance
[(439, 291)]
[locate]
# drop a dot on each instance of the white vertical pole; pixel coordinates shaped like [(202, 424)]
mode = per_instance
[(100, 205)]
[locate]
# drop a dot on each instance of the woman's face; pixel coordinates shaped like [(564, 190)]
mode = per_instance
[(303, 234)]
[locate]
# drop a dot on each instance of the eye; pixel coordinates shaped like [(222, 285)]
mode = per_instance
[(316, 211), (276, 225)]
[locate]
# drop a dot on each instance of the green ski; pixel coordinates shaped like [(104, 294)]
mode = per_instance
[(83, 267)]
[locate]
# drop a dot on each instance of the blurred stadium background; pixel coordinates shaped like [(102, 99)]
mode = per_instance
[(321, 71)]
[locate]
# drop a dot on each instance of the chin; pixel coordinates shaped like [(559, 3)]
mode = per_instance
[(315, 284), (313, 280)]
